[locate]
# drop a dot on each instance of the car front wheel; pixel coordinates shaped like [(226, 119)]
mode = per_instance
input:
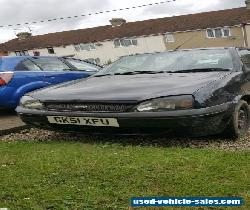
[(239, 122)]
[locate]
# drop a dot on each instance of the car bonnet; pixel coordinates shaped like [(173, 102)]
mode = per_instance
[(129, 87)]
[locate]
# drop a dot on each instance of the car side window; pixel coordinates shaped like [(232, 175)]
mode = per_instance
[(50, 64), (31, 66), (81, 65), (245, 57), (27, 65)]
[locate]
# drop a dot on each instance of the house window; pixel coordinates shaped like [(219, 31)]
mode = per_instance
[(125, 42), (169, 37), (210, 33), (226, 32), (117, 43), (218, 32), (84, 47), (77, 48), (21, 52), (51, 50)]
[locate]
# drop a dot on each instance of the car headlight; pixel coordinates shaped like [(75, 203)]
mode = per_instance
[(30, 103), (166, 104)]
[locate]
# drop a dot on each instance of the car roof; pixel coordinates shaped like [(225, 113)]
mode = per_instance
[(12, 61), (243, 48), (20, 58), (205, 48), (193, 49), (27, 56)]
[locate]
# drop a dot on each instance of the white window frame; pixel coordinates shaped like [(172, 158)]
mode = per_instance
[(82, 45), (172, 39), (131, 40), (18, 53), (22, 53), (222, 31)]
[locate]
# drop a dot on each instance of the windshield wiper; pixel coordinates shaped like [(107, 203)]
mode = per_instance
[(102, 75), (199, 70), (130, 73), (160, 72), (139, 72)]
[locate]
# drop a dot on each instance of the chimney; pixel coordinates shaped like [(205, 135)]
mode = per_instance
[(23, 35), (248, 4), (117, 21)]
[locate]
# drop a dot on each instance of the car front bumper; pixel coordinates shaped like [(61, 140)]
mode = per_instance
[(195, 122)]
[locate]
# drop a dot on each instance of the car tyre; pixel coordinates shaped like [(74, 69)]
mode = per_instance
[(239, 122)]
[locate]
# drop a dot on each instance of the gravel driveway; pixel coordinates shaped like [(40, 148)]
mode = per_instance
[(201, 142)]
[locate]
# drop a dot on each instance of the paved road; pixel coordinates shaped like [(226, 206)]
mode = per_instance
[(9, 121)]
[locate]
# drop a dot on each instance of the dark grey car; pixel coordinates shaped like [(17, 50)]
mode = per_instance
[(196, 92)]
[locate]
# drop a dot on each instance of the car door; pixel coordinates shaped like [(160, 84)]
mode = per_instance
[(26, 77), (55, 70), (28, 72)]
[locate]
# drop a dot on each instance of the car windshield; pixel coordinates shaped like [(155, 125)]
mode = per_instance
[(183, 61)]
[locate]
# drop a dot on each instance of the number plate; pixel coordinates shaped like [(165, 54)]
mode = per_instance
[(89, 121)]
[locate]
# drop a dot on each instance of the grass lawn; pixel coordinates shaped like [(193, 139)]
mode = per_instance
[(75, 175)]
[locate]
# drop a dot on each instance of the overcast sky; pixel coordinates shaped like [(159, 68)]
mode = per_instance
[(16, 11)]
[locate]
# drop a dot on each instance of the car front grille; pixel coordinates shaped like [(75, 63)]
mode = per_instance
[(88, 107)]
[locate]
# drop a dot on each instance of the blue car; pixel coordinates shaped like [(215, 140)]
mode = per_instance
[(22, 74)]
